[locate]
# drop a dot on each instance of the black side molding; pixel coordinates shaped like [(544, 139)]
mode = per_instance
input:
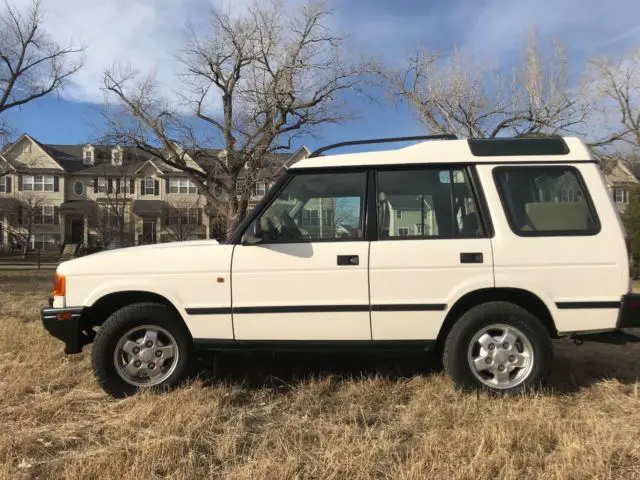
[(399, 307), (587, 305)]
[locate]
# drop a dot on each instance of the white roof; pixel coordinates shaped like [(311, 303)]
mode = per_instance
[(438, 151)]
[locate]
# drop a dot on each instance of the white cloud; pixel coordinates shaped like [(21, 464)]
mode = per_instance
[(144, 33), (147, 33)]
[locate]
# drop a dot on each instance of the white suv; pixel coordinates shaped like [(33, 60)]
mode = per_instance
[(482, 249)]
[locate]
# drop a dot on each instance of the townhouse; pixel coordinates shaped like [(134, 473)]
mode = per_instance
[(102, 196)]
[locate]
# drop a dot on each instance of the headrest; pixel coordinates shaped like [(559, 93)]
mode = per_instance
[(558, 216)]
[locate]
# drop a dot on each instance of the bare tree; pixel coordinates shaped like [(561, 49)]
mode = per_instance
[(113, 217), (32, 65), (459, 95), (254, 83), (184, 218), (615, 88), (29, 213)]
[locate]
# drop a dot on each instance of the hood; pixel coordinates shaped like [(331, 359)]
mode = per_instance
[(173, 257)]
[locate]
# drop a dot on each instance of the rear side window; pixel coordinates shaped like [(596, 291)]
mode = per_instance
[(546, 201)]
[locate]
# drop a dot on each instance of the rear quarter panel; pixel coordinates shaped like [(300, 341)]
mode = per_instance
[(562, 269)]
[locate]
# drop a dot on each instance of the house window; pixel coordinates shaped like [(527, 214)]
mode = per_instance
[(102, 185), (259, 189), (149, 186), (43, 215), (310, 217), (185, 216), (37, 183), (621, 195), (181, 185), (116, 156), (42, 241), (3, 184), (399, 214), (403, 232), (78, 188), (124, 186), (88, 155), (328, 217)]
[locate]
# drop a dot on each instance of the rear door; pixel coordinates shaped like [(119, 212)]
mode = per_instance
[(308, 278), (432, 247)]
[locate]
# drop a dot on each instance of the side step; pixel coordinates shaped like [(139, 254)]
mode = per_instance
[(614, 337)]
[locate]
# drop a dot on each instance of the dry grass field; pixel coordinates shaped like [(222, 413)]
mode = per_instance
[(289, 416)]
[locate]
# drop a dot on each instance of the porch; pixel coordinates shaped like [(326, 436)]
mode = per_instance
[(74, 220)]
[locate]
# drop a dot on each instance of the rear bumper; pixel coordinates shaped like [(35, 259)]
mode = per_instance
[(628, 317), (629, 314), (68, 325)]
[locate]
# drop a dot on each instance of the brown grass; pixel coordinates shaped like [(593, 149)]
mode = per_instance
[(300, 417)]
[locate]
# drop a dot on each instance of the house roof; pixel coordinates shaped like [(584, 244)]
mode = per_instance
[(149, 207), (70, 158), (209, 159), (78, 206), (620, 175)]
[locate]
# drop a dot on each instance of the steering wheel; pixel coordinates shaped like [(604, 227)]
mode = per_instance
[(282, 228), (268, 225)]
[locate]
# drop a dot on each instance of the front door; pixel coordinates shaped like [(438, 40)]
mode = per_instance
[(307, 279), (148, 232), (77, 231), (432, 246)]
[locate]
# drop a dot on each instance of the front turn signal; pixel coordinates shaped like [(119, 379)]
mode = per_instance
[(59, 285)]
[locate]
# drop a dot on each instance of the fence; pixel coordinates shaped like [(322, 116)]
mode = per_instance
[(33, 260)]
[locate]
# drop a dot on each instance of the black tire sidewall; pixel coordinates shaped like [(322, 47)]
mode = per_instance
[(121, 322), (492, 313)]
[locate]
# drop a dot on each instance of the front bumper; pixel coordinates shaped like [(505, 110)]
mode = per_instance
[(68, 325)]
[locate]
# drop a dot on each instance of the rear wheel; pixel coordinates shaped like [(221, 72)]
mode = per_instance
[(498, 346), (141, 346)]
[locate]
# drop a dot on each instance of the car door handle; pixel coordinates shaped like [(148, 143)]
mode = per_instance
[(348, 260), (468, 257)]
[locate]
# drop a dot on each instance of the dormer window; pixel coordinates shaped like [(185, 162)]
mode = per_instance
[(116, 155), (88, 155)]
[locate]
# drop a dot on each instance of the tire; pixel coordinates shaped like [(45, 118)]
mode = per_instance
[(126, 330), (500, 370)]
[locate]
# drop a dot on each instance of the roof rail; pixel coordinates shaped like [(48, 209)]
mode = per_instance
[(319, 151)]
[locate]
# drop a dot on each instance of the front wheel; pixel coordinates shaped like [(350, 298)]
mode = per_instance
[(498, 346), (141, 346)]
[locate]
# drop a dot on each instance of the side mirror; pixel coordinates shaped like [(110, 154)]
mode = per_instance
[(254, 234)]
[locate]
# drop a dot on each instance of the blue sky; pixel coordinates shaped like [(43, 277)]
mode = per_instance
[(146, 33)]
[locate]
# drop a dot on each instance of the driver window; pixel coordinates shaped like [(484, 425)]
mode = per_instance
[(317, 207)]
